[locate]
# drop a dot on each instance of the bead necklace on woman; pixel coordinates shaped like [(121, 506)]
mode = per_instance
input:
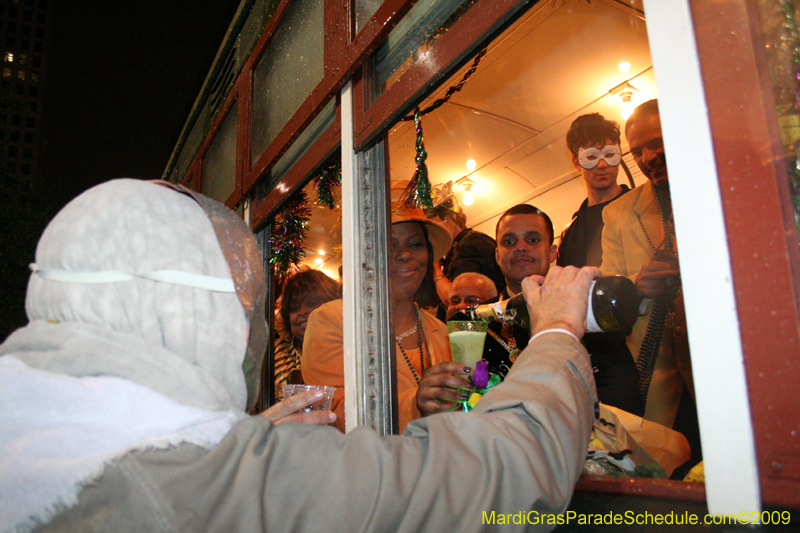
[(420, 340)]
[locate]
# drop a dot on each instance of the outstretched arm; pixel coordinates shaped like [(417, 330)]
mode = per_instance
[(289, 410), (518, 453)]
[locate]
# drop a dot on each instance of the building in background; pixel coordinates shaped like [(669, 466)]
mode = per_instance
[(23, 40), (24, 212)]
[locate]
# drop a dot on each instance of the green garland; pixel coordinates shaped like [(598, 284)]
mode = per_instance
[(328, 178), (288, 234), (450, 92), (418, 192)]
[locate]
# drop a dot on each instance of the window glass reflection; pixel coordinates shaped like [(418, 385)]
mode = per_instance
[(412, 38), (290, 67), (219, 162), (782, 46), (364, 11), (304, 142)]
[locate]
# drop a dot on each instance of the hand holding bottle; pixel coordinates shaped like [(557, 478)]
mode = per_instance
[(559, 299), (613, 305)]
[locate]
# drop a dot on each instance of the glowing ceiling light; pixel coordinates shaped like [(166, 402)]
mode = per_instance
[(471, 164), (624, 66), (468, 199), (321, 252), (627, 104), (318, 260), (625, 92)]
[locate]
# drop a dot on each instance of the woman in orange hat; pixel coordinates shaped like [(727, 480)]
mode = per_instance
[(420, 339)]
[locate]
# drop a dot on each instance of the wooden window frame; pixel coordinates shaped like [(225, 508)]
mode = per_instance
[(296, 177), (193, 174), (343, 55), (479, 24), (761, 231)]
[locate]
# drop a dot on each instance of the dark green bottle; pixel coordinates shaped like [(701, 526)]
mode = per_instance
[(613, 306)]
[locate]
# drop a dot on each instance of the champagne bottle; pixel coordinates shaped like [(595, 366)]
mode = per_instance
[(613, 306)]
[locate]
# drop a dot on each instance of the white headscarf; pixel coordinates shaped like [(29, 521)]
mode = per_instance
[(106, 368), (145, 331)]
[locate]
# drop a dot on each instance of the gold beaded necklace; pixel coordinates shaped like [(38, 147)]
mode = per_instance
[(418, 329)]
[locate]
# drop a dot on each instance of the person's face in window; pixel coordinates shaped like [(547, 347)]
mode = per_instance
[(409, 258), (647, 148), (603, 175), (523, 248), (467, 291), (298, 315)]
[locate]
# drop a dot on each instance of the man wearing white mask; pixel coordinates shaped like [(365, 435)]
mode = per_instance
[(594, 143)]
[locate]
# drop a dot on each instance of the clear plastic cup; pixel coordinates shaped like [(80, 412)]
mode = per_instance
[(323, 405)]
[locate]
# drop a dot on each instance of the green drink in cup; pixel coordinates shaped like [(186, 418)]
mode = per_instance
[(466, 340)]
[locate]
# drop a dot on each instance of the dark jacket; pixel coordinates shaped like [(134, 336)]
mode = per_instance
[(473, 251), (615, 370), (581, 243)]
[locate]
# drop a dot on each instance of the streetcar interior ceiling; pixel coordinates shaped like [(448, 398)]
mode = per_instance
[(560, 60)]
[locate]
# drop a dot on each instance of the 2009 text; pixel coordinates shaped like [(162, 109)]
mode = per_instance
[(631, 518)]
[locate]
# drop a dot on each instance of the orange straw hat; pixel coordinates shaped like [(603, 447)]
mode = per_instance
[(438, 235)]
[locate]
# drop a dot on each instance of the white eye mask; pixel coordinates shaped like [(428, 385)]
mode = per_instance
[(588, 158)]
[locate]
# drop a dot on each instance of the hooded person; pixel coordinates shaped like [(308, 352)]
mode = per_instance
[(123, 399), (142, 301)]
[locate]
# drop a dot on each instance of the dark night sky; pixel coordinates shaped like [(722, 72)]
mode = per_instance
[(120, 82)]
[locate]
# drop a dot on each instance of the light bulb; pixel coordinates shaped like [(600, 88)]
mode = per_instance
[(468, 199), (624, 66), (627, 109), (318, 260), (321, 252), (471, 164), (627, 105)]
